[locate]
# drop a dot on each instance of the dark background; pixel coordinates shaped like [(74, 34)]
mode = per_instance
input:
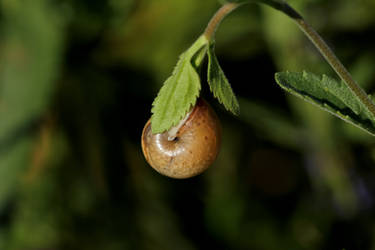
[(77, 79)]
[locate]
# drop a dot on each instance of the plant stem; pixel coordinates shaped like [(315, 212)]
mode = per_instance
[(314, 37), (325, 50), (210, 30), (336, 64)]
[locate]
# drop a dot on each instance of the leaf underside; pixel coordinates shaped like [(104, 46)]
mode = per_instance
[(219, 84), (179, 92), (330, 95)]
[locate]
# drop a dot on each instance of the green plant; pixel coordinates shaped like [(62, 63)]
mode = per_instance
[(345, 99)]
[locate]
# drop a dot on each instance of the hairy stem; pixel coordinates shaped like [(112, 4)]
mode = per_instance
[(324, 49), (336, 64), (215, 21), (314, 37)]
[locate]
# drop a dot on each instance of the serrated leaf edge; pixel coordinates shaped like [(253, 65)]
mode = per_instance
[(197, 49), (323, 105), (234, 101)]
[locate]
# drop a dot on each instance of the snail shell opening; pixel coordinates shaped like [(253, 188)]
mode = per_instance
[(192, 151)]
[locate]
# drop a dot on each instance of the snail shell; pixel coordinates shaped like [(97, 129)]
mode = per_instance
[(192, 151)]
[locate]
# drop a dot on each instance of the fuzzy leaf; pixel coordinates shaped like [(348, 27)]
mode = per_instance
[(180, 91), (219, 84), (330, 95)]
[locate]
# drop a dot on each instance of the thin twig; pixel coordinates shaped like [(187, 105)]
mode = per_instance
[(217, 18)]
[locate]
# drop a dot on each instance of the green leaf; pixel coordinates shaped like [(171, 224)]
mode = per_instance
[(330, 95), (180, 91), (219, 84)]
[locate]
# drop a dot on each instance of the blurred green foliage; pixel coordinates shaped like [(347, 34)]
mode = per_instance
[(77, 79)]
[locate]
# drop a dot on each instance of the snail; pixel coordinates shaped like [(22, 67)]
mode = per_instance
[(187, 149)]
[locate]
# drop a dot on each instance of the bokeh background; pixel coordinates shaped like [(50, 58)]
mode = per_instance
[(77, 79)]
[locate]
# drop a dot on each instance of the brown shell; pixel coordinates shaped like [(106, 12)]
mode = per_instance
[(194, 149)]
